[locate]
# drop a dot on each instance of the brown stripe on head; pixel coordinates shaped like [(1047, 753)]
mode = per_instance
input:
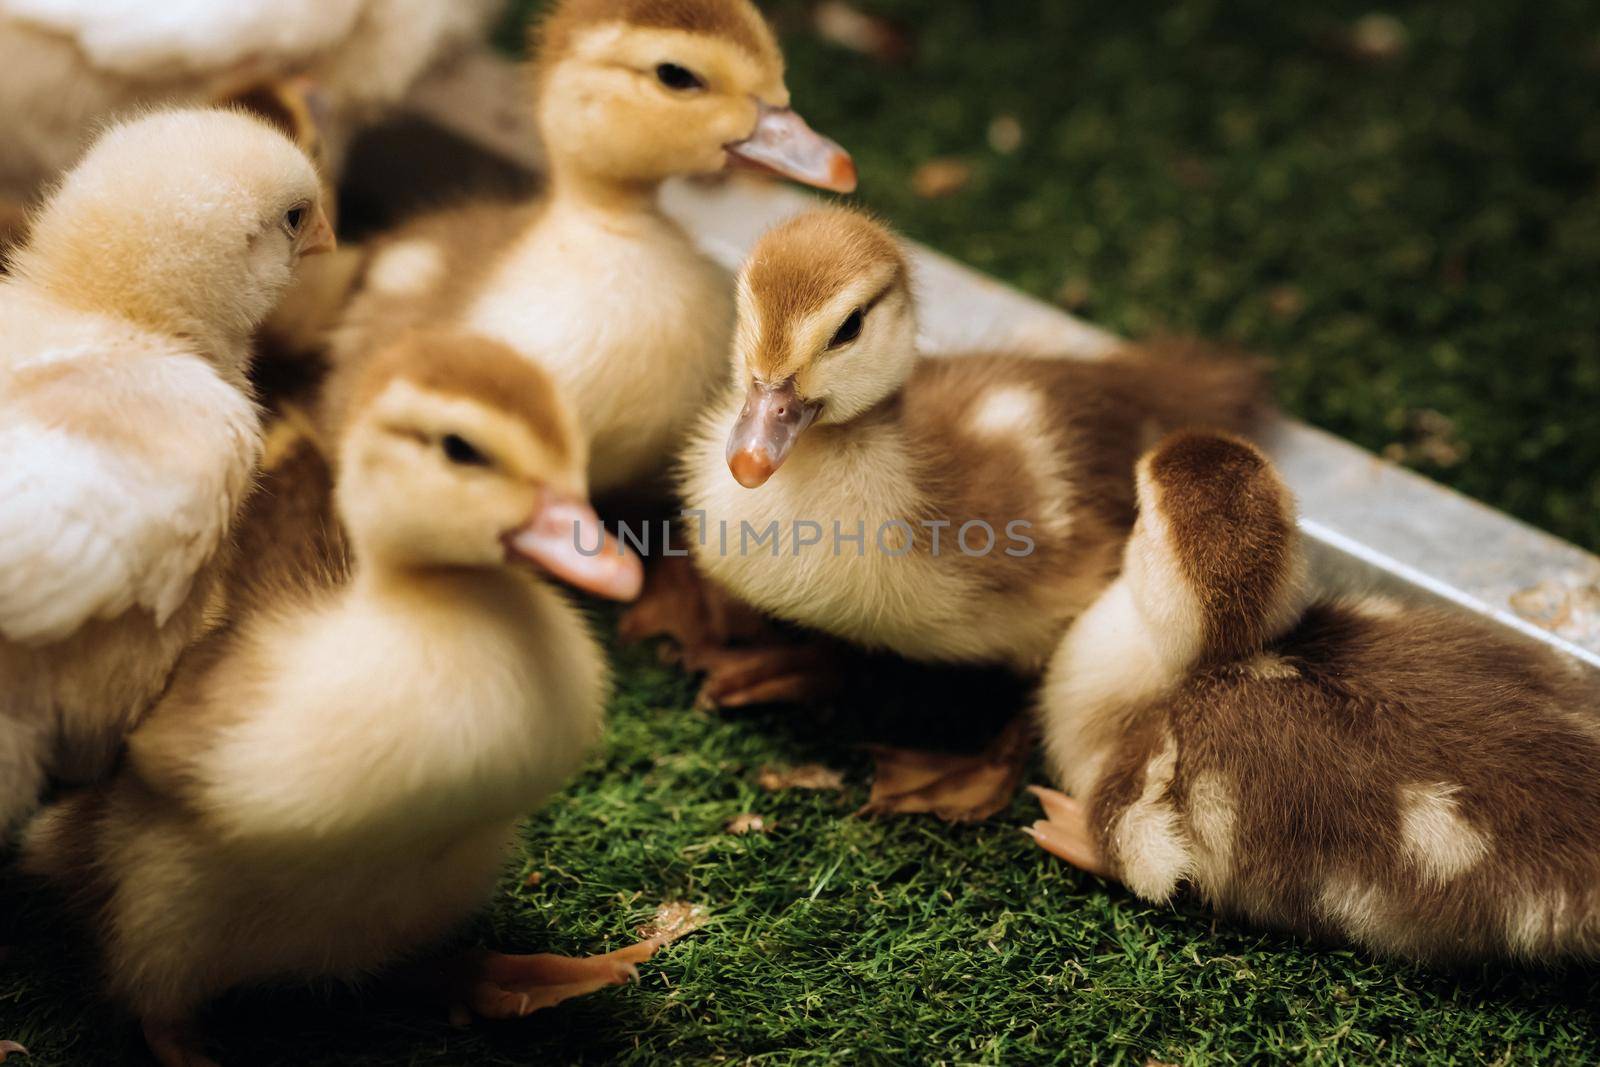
[(801, 266), (475, 368), (735, 21), (1229, 523)]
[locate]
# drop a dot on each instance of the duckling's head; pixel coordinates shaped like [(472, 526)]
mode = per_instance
[(1214, 559), (460, 453), (188, 221), (827, 331), (631, 92)]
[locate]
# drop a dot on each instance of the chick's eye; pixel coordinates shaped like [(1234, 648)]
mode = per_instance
[(848, 330), (294, 218), (458, 449), (680, 78)]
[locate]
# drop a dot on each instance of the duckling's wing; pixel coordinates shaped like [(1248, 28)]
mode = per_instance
[(101, 513)]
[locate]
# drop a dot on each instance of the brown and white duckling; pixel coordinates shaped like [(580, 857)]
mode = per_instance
[(1402, 778), (128, 434), (959, 510), (591, 278), (333, 781)]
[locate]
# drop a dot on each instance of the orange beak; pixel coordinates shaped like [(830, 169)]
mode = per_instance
[(568, 541), (772, 418), (784, 145), (319, 236)]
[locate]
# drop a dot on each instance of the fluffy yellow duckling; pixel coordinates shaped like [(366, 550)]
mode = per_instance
[(127, 433), (947, 510), (591, 278), (1398, 777), (333, 781)]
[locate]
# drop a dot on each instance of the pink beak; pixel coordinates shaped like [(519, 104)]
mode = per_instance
[(319, 238), (772, 419), (784, 145), (567, 539)]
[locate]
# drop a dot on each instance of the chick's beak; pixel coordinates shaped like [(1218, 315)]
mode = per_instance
[(783, 144), (318, 237), (565, 537), (772, 418)]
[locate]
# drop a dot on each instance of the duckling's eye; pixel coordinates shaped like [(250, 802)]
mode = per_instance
[(295, 218), (458, 449), (848, 330), (679, 78)]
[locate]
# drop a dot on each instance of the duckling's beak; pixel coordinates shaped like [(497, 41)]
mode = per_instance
[(772, 417), (568, 540), (783, 144), (319, 235)]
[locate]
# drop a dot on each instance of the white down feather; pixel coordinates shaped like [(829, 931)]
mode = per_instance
[(138, 38), (90, 529)]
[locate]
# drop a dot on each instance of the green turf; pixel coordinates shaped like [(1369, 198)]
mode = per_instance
[(836, 939), (1422, 234)]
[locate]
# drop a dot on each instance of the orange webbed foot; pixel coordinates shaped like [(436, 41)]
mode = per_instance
[(672, 605), (956, 788), (679, 604), (764, 674), (745, 659), (499, 986), (1064, 831)]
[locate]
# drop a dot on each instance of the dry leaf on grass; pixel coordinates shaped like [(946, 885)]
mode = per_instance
[(941, 177), (748, 823), (845, 26), (805, 776), (1431, 438), (1286, 301), (673, 920), (1005, 134), (1075, 293), (1379, 38)]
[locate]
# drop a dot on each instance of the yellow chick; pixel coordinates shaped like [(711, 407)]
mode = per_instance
[(333, 781), (1353, 768), (591, 278), (127, 434)]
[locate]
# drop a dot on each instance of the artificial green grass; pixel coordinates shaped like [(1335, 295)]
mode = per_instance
[(834, 939), (1411, 235)]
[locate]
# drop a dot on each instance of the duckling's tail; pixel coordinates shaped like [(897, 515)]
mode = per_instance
[(1186, 383), (1215, 556)]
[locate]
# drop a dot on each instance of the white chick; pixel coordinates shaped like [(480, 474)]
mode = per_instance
[(127, 433)]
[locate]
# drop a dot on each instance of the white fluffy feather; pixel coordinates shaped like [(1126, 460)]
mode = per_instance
[(90, 529), (74, 65), (141, 39)]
